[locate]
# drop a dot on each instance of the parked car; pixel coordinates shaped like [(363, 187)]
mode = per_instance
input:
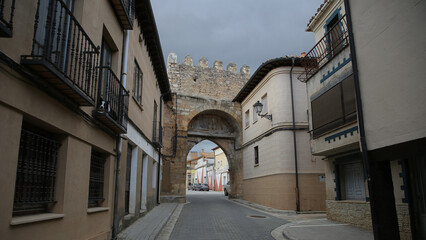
[(195, 186), (201, 187), (226, 189)]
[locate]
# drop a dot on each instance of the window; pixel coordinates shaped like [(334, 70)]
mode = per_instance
[(247, 118), (334, 35), (105, 80), (96, 181), (256, 155), (334, 108), (137, 87), (36, 172), (254, 115), (265, 104)]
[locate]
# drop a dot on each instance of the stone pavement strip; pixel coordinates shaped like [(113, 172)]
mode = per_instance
[(149, 226), (323, 229)]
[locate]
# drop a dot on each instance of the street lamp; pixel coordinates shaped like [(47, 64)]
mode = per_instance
[(258, 109)]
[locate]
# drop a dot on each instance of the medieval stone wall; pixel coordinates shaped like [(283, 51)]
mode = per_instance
[(202, 103), (202, 81)]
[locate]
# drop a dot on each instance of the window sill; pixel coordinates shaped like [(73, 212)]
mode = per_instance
[(97, 209), (246, 127), (137, 103), (256, 165), (35, 218)]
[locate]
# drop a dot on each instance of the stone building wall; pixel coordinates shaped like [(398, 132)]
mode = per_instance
[(357, 213), (202, 81), (203, 96)]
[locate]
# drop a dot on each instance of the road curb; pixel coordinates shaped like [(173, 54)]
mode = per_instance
[(167, 228)]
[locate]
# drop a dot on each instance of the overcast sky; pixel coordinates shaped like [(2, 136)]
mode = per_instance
[(240, 31)]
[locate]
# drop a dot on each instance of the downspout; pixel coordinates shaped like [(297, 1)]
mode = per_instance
[(119, 140), (363, 142), (294, 138)]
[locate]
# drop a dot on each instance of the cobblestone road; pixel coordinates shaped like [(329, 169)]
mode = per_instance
[(210, 216)]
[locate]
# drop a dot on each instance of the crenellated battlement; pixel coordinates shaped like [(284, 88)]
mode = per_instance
[(204, 63), (204, 81)]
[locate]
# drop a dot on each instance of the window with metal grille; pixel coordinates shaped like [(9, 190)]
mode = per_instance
[(96, 182), (36, 173)]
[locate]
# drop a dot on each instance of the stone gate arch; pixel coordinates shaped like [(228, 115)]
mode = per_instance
[(201, 108)]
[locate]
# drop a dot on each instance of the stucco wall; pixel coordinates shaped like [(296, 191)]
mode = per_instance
[(388, 37), (278, 191)]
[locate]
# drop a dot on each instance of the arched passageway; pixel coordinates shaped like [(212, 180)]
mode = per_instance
[(201, 108)]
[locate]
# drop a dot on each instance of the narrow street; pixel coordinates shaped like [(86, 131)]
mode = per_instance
[(210, 215)]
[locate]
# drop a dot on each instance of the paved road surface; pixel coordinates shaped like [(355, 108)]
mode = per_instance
[(210, 216)]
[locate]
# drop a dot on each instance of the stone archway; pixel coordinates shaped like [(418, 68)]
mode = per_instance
[(201, 108), (206, 119)]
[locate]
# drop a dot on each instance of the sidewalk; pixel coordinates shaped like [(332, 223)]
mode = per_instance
[(310, 226), (323, 229), (149, 226)]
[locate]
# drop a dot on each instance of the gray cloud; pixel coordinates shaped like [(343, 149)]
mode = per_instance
[(242, 31)]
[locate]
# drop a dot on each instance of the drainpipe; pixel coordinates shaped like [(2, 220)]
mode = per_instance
[(119, 138), (294, 137), (363, 142)]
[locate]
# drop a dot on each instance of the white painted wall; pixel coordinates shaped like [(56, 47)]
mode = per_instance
[(144, 182), (390, 38), (276, 151), (133, 178)]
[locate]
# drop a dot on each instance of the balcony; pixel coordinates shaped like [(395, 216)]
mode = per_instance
[(113, 102), (7, 9), (333, 42), (124, 9), (63, 54)]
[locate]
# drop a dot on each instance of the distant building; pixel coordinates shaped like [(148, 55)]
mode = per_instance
[(278, 169), (197, 167), (221, 176)]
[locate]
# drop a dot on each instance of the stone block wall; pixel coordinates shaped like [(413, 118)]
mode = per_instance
[(202, 103), (358, 214), (202, 81)]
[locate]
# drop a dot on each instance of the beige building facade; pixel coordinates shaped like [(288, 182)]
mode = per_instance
[(365, 149), (279, 170), (71, 117), (391, 86)]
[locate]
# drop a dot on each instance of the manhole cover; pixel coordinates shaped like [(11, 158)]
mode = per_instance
[(258, 216)]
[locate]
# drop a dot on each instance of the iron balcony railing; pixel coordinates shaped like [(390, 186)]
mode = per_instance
[(125, 11), (333, 42), (62, 48), (7, 9), (113, 101)]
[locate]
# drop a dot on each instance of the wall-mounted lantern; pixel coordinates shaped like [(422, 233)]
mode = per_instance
[(258, 106)]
